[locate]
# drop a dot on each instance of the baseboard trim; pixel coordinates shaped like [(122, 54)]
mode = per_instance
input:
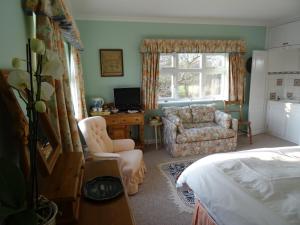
[(149, 141)]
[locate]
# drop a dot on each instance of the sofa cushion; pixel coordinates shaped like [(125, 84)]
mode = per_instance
[(185, 114), (223, 119), (172, 110), (177, 121), (202, 113), (204, 134), (199, 125)]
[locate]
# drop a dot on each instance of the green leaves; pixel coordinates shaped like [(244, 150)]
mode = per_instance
[(12, 188)]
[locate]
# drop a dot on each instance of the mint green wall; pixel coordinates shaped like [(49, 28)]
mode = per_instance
[(13, 32), (128, 36), (13, 39)]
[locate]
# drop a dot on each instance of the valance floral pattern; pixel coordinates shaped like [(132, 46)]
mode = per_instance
[(191, 46), (57, 11)]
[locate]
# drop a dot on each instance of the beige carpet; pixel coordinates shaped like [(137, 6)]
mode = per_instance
[(152, 205)]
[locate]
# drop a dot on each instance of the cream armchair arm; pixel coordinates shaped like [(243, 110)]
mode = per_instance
[(106, 156), (121, 145), (103, 155)]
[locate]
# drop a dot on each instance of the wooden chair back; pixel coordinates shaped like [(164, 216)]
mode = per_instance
[(233, 107)]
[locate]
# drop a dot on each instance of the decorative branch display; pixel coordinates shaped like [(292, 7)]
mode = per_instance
[(33, 89)]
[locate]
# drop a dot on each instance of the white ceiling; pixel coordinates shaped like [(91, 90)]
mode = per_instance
[(243, 12)]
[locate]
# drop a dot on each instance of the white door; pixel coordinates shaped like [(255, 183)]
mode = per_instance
[(258, 87)]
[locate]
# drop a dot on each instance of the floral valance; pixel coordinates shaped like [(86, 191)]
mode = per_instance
[(57, 11), (190, 46)]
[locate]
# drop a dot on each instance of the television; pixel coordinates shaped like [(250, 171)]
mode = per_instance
[(127, 98)]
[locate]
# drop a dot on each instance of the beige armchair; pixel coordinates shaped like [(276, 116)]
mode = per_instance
[(102, 147)]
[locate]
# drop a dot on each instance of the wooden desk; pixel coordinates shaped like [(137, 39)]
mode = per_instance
[(118, 126), (112, 212)]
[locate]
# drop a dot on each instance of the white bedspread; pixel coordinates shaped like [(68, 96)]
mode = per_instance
[(256, 187)]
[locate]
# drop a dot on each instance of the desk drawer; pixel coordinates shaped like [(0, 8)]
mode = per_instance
[(112, 120), (131, 120)]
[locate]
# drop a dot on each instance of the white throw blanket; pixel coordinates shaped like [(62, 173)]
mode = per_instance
[(256, 187)]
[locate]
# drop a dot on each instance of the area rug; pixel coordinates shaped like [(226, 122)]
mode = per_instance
[(183, 197)]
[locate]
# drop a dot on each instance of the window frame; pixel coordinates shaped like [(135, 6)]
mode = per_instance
[(175, 71)]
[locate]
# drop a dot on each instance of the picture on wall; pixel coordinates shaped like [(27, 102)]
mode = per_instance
[(111, 62)]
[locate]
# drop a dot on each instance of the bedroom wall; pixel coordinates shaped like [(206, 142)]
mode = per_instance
[(128, 36), (13, 40)]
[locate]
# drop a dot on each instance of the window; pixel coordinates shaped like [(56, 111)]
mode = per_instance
[(193, 76), (71, 66)]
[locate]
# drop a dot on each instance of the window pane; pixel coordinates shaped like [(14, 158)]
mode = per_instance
[(214, 60), (189, 61), (165, 85), (187, 85), (166, 61), (211, 85)]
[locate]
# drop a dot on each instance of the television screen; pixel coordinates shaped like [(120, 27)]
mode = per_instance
[(127, 98)]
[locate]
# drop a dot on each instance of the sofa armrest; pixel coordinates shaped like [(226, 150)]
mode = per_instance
[(223, 119), (121, 145), (235, 124), (170, 131), (177, 121)]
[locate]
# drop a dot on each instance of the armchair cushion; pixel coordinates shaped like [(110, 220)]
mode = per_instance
[(223, 119), (123, 145), (203, 113)]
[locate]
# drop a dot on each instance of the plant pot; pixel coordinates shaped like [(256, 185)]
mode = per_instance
[(47, 211)]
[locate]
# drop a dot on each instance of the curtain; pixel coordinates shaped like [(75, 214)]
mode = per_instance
[(77, 86), (150, 49), (192, 46), (61, 103), (150, 72), (57, 11), (236, 77)]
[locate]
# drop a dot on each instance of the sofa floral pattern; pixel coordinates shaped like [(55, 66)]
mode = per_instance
[(198, 129), (202, 113)]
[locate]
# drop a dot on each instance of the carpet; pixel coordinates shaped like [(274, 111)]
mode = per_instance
[(182, 197)]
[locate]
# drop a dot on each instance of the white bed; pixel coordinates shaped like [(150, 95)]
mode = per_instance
[(256, 187)]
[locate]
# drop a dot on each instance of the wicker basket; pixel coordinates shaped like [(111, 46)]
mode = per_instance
[(51, 208)]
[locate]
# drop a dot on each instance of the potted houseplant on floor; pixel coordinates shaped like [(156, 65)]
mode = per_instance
[(20, 201)]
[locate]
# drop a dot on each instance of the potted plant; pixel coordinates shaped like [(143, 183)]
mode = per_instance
[(20, 201)]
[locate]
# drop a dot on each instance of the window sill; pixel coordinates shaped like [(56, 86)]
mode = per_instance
[(187, 102)]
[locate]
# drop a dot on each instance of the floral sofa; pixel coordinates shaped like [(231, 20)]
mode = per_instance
[(198, 129)]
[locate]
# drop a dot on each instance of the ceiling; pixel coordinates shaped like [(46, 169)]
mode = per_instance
[(243, 12)]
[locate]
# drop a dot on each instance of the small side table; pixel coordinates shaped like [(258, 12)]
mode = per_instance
[(157, 132)]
